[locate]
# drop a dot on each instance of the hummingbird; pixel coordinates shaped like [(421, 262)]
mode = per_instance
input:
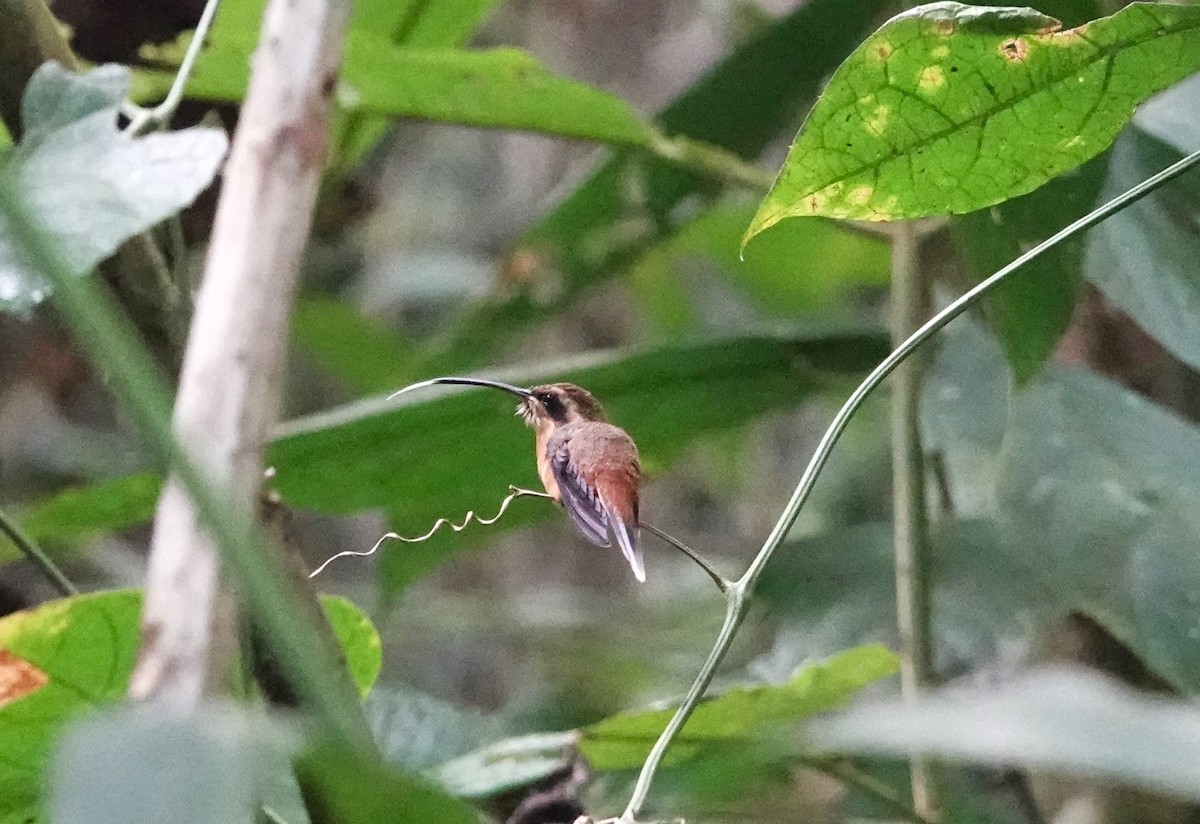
[(586, 464)]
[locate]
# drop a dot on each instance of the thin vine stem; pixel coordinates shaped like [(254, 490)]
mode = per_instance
[(37, 555), (852, 777), (739, 593), (910, 531), (146, 120)]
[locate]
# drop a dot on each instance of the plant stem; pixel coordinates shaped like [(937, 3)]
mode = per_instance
[(36, 554), (148, 120), (741, 590), (717, 578), (735, 613), (910, 521), (850, 775), (712, 160), (112, 344)]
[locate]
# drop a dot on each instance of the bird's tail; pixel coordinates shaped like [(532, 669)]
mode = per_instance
[(627, 537)]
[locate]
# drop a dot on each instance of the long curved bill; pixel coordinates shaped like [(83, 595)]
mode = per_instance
[(506, 387)]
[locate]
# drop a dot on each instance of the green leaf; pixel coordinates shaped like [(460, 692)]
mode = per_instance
[(949, 108), (1144, 259), (507, 765), (65, 658), (501, 87), (496, 88), (147, 766), (436, 24), (412, 23), (623, 741), (84, 512), (1094, 488), (70, 657), (352, 790), (417, 732), (359, 640), (630, 202), (89, 185), (1032, 309), (838, 587), (442, 453), (1097, 493), (366, 356), (1063, 721)]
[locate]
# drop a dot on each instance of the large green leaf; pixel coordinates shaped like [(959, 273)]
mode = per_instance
[(1065, 721), (506, 765), (88, 185), (71, 657), (353, 790), (623, 741), (416, 732), (146, 766), (420, 22), (65, 658), (366, 356), (629, 203), (950, 108), (501, 88), (1091, 486), (1098, 492), (1144, 259), (79, 513), (1032, 309), (838, 588), (442, 453)]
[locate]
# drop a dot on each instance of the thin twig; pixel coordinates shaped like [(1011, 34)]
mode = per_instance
[(148, 120), (712, 160), (850, 775), (910, 535), (37, 555), (720, 580), (739, 593)]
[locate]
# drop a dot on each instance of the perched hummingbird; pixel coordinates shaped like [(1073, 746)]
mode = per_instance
[(586, 464)]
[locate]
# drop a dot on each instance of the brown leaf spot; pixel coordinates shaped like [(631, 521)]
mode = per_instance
[(1015, 50), (945, 27), (18, 677)]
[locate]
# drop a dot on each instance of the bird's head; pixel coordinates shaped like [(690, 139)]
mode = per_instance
[(556, 404), (542, 407)]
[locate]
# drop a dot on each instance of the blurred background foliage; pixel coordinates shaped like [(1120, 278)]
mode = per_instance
[(1058, 423)]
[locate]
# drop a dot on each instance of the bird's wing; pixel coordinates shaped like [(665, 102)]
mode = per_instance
[(580, 500), (602, 510)]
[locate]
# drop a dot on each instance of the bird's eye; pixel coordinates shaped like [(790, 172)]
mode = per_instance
[(552, 404)]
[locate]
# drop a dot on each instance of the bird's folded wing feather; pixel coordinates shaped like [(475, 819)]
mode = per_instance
[(581, 502)]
